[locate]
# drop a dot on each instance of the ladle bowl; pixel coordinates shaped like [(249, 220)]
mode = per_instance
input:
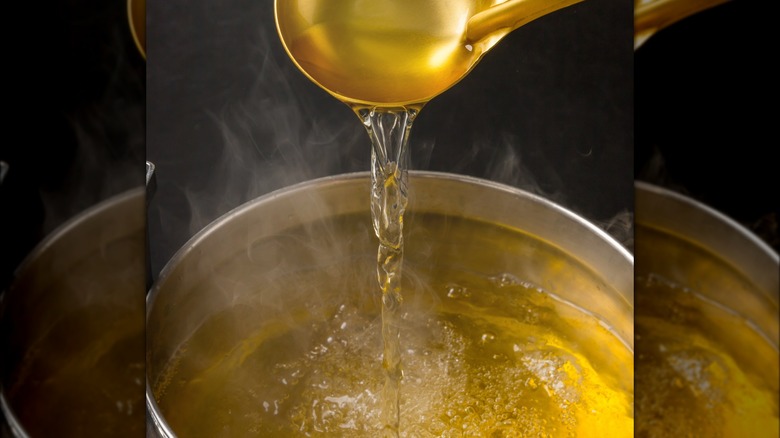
[(652, 16), (400, 52), (136, 17)]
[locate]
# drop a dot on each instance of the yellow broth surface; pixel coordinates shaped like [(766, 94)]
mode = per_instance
[(701, 369), (297, 350)]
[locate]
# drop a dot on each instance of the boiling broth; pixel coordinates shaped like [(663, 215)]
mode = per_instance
[(484, 351), (76, 368), (77, 383), (702, 370)]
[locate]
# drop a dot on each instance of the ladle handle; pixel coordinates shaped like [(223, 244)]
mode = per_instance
[(510, 15), (650, 16)]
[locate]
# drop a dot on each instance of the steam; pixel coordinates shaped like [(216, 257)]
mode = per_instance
[(655, 170), (107, 138), (273, 137), (508, 165), (620, 227), (3, 170)]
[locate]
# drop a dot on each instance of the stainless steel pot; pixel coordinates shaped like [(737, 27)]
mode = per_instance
[(696, 246), (72, 328), (706, 321), (272, 257)]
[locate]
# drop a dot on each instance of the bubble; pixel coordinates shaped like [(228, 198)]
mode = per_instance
[(487, 337), (457, 292), (465, 374), (505, 280)]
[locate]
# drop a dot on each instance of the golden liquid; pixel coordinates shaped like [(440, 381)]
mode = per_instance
[(77, 383), (484, 353), (388, 205), (701, 370), (74, 361), (381, 53)]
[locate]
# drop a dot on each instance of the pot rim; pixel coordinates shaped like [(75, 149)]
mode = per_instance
[(710, 211), (10, 421), (80, 219), (71, 225), (155, 421), (756, 259), (193, 241)]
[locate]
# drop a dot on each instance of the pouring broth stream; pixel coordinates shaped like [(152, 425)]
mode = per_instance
[(386, 59)]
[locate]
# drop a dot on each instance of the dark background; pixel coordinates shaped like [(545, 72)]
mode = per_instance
[(705, 121), (74, 119), (230, 118)]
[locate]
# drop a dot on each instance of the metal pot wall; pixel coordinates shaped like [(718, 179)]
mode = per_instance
[(269, 259), (72, 328)]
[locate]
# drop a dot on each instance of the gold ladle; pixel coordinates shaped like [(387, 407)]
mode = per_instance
[(650, 16), (136, 17), (396, 52)]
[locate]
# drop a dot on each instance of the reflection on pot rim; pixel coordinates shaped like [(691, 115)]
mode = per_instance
[(691, 206)]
